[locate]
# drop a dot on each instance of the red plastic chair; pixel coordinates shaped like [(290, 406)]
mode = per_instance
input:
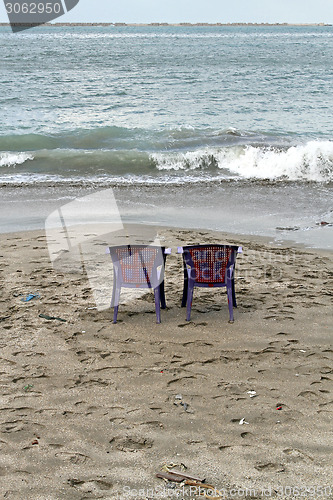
[(209, 266), (138, 266)]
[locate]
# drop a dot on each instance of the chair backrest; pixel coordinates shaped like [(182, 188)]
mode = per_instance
[(139, 264), (209, 263)]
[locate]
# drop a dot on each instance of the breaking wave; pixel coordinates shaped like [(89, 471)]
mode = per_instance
[(310, 162), (176, 156), (12, 159)]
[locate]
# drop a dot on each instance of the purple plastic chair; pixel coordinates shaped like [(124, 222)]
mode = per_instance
[(138, 266), (209, 266)]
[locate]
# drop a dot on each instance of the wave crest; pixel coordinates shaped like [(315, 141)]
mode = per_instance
[(191, 160), (312, 161), (13, 159)]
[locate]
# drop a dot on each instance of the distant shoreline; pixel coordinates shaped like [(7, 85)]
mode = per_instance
[(119, 24)]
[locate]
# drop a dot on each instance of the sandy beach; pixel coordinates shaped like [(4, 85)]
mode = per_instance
[(95, 410)]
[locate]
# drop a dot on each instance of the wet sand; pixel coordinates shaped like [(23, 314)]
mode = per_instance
[(90, 409)]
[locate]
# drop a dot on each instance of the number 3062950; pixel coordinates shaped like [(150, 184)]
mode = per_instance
[(33, 8)]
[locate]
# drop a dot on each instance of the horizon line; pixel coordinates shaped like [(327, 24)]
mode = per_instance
[(161, 24)]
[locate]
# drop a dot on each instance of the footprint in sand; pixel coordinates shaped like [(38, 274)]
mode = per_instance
[(326, 407), (74, 458), (12, 426), (295, 455), (197, 343), (310, 395), (131, 443), (91, 485), (248, 436), (269, 467)]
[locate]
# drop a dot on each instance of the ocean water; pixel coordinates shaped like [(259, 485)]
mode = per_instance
[(177, 118)]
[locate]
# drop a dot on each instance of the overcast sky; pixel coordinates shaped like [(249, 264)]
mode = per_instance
[(174, 11)]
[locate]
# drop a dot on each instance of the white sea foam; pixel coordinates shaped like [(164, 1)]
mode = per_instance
[(13, 159), (309, 162), (191, 160)]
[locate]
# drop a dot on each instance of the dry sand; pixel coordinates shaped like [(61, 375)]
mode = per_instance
[(90, 409)]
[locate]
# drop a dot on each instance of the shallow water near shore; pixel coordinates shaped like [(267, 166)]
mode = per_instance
[(281, 212)]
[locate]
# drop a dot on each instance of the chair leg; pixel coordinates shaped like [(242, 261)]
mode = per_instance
[(157, 304), (190, 290), (185, 288), (115, 299), (113, 292), (115, 314), (233, 293), (230, 304), (162, 295)]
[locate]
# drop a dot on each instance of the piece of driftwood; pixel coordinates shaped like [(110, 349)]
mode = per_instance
[(178, 477)]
